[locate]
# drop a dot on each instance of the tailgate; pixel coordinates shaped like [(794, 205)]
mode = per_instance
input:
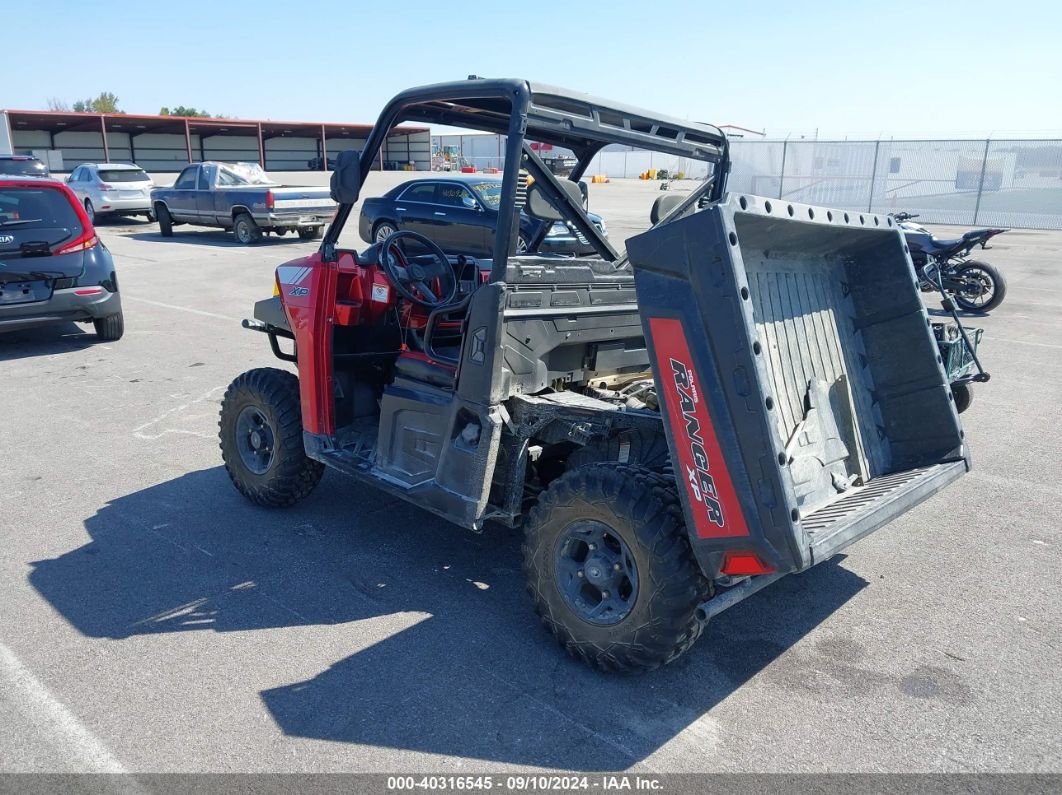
[(805, 401), (302, 199)]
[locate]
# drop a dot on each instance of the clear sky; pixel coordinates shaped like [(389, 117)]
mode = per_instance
[(843, 68)]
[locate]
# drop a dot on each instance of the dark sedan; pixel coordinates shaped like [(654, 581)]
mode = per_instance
[(460, 213)]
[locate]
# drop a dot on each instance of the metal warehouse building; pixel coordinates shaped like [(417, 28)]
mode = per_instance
[(65, 140)]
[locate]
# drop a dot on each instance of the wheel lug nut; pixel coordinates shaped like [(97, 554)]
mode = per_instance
[(616, 566), (592, 547), (605, 594), (578, 574)]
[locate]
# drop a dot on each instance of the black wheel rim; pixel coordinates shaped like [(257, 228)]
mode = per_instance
[(595, 572), (255, 440), (979, 288)]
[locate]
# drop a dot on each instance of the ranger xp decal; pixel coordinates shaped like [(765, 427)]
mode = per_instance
[(713, 501)]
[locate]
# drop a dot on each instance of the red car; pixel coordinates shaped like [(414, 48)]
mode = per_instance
[(53, 267)]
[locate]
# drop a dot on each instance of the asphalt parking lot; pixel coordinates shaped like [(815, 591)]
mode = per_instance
[(154, 620)]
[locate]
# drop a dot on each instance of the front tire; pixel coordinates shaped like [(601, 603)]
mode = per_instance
[(609, 568), (110, 328), (162, 212), (261, 439), (90, 211), (991, 279), (245, 230)]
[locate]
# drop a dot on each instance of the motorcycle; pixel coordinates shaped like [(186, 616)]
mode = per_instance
[(976, 285), (956, 344)]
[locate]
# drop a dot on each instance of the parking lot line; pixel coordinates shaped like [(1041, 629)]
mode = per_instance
[(57, 724), (126, 297)]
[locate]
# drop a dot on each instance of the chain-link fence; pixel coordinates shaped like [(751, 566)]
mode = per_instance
[(999, 183), (622, 161)]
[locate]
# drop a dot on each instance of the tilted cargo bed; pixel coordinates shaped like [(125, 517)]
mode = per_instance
[(806, 402)]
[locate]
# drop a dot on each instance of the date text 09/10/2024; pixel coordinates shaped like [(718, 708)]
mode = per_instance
[(523, 783)]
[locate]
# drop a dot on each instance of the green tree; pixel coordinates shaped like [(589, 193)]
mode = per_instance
[(106, 102), (181, 110)]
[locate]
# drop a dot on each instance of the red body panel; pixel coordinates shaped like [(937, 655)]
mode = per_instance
[(702, 468), (318, 296), (307, 289)]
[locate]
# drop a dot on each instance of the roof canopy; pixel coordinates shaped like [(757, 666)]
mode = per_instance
[(557, 116), (65, 121)]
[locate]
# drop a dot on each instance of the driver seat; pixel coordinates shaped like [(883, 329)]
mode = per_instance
[(420, 367), (436, 365)]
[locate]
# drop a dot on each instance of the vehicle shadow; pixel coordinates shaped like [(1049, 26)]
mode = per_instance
[(119, 220), (476, 676), (46, 341), (207, 236)]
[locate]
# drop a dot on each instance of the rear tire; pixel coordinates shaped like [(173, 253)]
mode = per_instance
[(261, 439), (311, 233), (636, 519), (162, 212), (245, 230), (983, 271), (110, 328), (963, 394), (382, 230)]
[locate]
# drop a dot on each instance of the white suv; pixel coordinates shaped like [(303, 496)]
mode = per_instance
[(106, 188)]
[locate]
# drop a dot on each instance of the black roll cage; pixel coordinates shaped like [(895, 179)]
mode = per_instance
[(524, 111)]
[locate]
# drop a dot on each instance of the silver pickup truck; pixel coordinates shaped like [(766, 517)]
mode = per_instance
[(241, 197)]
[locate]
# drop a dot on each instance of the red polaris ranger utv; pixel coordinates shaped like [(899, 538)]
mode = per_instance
[(750, 389)]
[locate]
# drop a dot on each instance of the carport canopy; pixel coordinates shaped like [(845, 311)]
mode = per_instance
[(191, 128)]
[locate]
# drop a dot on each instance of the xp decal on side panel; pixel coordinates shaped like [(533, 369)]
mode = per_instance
[(673, 428)]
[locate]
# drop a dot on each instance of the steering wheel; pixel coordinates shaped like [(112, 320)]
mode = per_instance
[(412, 280)]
